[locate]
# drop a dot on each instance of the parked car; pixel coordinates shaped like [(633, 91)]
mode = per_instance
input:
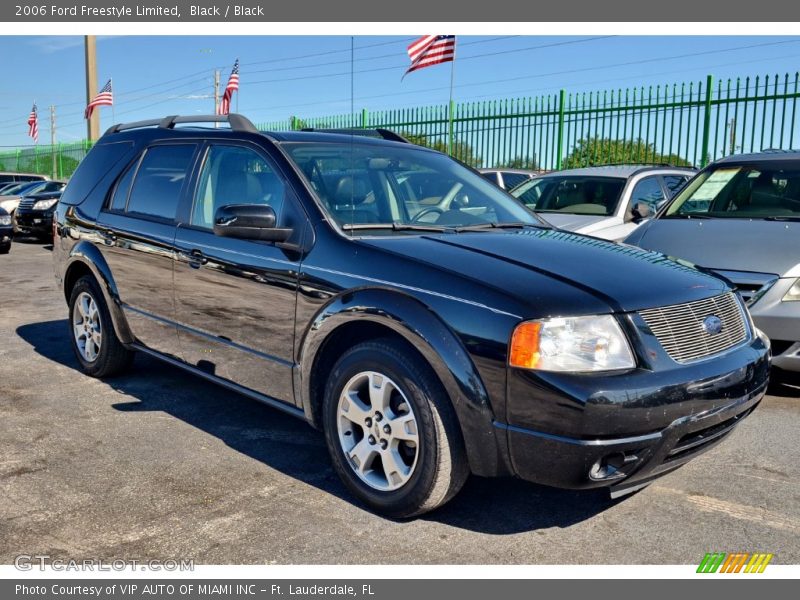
[(34, 215), (11, 200), (508, 178), (740, 219), (14, 189), (10, 177), (7, 186), (6, 232), (469, 338), (606, 202)]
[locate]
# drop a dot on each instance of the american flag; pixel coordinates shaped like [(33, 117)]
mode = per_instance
[(431, 50), (233, 86), (33, 124), (105, 97)]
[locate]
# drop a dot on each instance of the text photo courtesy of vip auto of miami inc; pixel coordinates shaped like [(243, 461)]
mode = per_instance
[(400, 300)]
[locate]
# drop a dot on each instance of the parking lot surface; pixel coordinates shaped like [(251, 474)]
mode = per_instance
[(158, 464)]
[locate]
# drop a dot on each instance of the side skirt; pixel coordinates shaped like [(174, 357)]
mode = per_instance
[(272, 402)]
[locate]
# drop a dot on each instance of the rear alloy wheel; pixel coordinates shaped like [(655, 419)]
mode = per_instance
[(94, 341), (391, 430)]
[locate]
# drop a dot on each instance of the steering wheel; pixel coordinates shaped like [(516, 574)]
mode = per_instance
[(427, 211)]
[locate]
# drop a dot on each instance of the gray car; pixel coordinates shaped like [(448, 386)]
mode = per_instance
[(607, 202), (740, 218)]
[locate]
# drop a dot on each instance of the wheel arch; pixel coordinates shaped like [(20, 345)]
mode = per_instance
[(86, 259), (370, 313)]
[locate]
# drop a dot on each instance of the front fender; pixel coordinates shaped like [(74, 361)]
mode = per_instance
[(438, 344), (86, 254)]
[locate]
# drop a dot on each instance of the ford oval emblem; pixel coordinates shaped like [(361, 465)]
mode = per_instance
[(712, 325)]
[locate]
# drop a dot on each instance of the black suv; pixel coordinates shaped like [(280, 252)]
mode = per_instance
[(421, 317)]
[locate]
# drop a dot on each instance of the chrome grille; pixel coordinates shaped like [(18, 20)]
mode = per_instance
[(26, 203), (680, 331)]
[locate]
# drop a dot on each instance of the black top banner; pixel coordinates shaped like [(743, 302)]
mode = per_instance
[(406, 11)]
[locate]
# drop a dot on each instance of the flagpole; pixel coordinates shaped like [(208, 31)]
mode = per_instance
[(451, 106), (113, 112)]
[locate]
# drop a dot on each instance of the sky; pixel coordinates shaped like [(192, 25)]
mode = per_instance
[(283, 76)]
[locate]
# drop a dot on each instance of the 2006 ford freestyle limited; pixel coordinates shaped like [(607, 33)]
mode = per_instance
[(422, 318)]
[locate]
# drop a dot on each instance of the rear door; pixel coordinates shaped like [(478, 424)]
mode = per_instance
[(137, 236), (235, 298)]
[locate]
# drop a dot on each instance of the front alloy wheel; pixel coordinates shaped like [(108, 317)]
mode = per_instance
[(391, 430), (378, 431)]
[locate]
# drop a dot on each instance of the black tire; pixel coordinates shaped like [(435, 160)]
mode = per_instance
[(112, 358), (441, 466), (5, 249)]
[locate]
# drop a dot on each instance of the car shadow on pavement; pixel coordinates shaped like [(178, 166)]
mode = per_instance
[(496, 506)]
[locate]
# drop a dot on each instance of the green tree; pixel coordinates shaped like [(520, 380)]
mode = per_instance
[(590, 152), (518, 162)]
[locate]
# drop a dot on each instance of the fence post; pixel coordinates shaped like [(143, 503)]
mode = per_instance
[(364, 118), (561, 101), (706, 121), (293, 121), (450, 127)]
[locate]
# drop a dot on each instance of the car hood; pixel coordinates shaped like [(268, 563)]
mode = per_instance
[(584, 275), (729, 244), (573, 222)]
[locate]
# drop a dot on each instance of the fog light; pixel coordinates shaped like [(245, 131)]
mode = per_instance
[(609, 467)]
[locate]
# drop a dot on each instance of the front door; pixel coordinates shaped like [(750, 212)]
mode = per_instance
[(235, 298)]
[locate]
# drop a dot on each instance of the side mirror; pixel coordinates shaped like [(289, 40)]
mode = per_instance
[(641, 211), (249, 222)]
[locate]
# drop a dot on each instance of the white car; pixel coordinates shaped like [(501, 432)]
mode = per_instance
[(606, 202)]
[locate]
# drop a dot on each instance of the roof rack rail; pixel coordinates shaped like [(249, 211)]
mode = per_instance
[(236, 121), (378, 132)]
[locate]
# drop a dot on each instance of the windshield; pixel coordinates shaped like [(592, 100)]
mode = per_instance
[(21, 187), (371, 186), (768, 190), (572, 194)]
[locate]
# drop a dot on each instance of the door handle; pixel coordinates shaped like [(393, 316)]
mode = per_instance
[(195, 258), (109, 237)]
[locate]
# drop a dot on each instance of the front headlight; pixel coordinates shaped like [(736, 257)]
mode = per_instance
[(793, 295), (44, 204), (575, 344), (5, 219)]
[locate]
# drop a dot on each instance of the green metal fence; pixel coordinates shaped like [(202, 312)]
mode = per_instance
[(57, 161), (687, 123), (680, 123)]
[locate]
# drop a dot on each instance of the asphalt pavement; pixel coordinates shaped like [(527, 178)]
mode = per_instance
[(160, 464)]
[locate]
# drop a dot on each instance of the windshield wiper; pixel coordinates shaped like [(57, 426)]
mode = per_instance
[(490, 226), (395, 227), (686, 216), (782, 218)]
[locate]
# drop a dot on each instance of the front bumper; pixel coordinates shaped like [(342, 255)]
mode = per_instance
[(621, 431), (6, 233), (780, 321), (33, 222)]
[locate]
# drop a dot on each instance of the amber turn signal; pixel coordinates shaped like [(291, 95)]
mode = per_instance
[(525, 345)]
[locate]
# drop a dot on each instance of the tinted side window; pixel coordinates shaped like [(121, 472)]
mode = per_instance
[(648, 191), (157, 188), (674, 183), (512, 180), (120, 197), (236, 175)]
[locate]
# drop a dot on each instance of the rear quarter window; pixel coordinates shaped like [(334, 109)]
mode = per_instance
[(99, 161)]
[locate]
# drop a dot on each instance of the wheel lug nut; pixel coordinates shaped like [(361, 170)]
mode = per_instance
[(384, 443), (368, 422), (387, 429), (378, 416), (371, 439)]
